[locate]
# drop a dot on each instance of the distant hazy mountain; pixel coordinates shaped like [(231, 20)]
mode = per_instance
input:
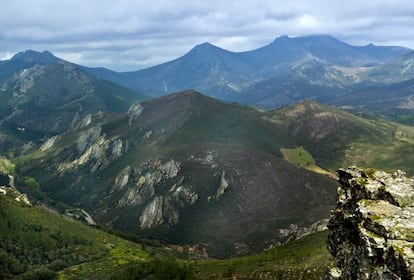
[(397, 70), (394, 101), (225, 74), (311, 80)]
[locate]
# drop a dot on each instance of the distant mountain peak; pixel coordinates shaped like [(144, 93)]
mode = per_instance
[(204, 47), (281, 38), (35, 56)]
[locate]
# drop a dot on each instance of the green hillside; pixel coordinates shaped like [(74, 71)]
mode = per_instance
[(212, 171), (336, 138), (306, 258), (38, 243), (192, 170)]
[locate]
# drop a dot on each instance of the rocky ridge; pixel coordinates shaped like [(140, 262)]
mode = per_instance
[(371, 230)]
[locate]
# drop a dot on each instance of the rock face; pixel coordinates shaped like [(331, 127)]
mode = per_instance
[(371, 231)]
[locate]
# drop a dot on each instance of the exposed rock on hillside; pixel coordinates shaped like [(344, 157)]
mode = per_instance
[(372, 228)]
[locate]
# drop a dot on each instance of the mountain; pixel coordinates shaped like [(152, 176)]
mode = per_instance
[(311, 80), (393, 101), (24, 60), (286, 71), (40, 243), (394, 71), (189, 169), (386, 91), (43, 96), (171, 169), (206, 68), (285, 51), (224, 75)]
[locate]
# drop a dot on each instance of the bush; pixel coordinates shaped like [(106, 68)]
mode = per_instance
[(165, 269), (39, 274)]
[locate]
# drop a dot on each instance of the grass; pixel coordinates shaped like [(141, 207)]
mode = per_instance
[(306, 258), (389, 156), (336, 138), (299, 156), (7, 166), (35, 240)]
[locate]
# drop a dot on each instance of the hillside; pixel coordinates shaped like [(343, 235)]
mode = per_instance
[(193, 170), (399, 69), (38, 243), (183, 178), (336, 138), (286, 71), (310, 80), (24, 60), (46, 96)]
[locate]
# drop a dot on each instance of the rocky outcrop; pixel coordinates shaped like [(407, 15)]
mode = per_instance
[(166, 210), (146, 177), (371, 231), (151, 186), (122, 179), (95, 150), (48, 144), (134, 112), (11, 191)]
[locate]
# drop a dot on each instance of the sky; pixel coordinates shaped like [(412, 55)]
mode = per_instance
[(126, 35)]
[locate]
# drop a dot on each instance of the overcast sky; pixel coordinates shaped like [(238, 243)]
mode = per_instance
[(129, 35)]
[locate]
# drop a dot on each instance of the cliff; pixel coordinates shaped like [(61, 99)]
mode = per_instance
[(371, 230)]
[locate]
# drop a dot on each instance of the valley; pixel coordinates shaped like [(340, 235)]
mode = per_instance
[(232, 153)]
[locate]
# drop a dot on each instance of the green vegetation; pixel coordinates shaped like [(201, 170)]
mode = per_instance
[(298, 156), (336, 138), (35, 244), (306, 258), (6, 166)]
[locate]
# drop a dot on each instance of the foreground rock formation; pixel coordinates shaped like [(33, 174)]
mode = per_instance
[(371, 231)]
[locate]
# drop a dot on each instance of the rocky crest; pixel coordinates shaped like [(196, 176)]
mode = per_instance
[(371, 231)]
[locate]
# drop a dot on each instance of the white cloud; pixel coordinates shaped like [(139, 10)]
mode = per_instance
[(128, 34)]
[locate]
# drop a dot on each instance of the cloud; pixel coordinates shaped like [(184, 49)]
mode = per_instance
[(128, 34)]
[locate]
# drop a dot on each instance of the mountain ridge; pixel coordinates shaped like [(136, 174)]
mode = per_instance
[(224, 74), (188, 168)]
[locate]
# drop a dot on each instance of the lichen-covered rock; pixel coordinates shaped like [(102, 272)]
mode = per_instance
[(371, 231)]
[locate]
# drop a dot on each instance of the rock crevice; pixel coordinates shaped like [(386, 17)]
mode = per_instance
[(371, 230)]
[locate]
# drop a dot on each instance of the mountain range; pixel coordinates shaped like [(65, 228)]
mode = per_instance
[(193, 170), (225, 75), (187, 168), (284, 72), (43, 96)]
